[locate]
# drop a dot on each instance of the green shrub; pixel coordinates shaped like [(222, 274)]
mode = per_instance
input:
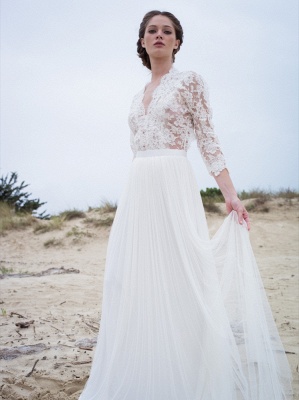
[(210, 197), (212, 194), (13, 194)]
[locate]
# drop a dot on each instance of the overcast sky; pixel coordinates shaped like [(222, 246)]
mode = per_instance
[(69, 71)]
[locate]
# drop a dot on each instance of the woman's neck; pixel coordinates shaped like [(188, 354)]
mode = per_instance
[(159, 69)]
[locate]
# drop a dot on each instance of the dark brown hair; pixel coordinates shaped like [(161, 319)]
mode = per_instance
[(178, 33)]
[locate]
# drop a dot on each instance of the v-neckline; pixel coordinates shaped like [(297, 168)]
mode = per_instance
[(146, 109)]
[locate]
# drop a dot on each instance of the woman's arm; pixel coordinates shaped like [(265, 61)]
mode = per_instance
[(231, 198), (196, 96)]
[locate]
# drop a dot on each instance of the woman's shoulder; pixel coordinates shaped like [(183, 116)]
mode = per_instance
[(190, 77)]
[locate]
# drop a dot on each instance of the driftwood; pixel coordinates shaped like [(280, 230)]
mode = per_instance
[(80, 362), (10, 353), (70, 363), (95, 328), (86, 343), (59, 330), (24, 324), (33, 368), (49, 271), (15, 313)]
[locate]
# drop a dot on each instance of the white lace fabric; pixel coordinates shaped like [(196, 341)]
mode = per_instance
[(178, 113)]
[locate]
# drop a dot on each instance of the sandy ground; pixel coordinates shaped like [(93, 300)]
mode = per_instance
[(65, 307)]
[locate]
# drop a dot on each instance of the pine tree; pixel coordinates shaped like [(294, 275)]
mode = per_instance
[(13, 193)]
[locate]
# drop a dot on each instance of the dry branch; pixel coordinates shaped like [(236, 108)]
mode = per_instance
[(24, 324), (32, 369)]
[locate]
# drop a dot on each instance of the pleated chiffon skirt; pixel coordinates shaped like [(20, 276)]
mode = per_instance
[(183, 317)]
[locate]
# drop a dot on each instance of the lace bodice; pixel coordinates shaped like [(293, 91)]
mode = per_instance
[(178, 113)]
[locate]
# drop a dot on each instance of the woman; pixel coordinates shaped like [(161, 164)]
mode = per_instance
[(184, 317)]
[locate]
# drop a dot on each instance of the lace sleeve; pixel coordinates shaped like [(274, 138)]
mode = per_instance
[(196, 95)]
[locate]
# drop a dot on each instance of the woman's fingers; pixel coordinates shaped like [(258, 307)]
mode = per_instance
[(241, 211), (243, 215)]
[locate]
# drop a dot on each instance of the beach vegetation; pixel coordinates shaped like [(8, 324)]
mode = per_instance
[(106, 220), (212, 194), (258, 205), (55, 223), (287, 193), (13, 193), (103, 215), (106, 206), (257, 200), (78, 233), (10, 219), (210, 197), (53, 243), (260, 200), (4, 270), (72, 214)]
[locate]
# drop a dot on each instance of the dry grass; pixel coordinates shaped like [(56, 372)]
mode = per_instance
[(105, 214), (287, 194), (106, 207), (261, 199), (258, 205), (53, 243), (55, 223), (255, 194), (105, 220), (268, 194), (4, 270), (211, 206), (72, 214), (9, 219), (77, 234)]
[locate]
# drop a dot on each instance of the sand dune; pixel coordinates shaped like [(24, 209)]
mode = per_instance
[(65, 307)]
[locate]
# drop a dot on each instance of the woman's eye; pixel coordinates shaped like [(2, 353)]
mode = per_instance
[(151, 31), (168, 32)]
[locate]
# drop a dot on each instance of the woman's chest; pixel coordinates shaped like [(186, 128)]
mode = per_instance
[(162, 102)]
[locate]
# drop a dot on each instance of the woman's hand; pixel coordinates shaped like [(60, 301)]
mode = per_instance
[(232, 200), (236, 205)]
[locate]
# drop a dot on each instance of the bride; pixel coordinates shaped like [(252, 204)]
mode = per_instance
[(183, 317)]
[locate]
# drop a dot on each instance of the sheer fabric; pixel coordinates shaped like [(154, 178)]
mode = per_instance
[(183, 317)]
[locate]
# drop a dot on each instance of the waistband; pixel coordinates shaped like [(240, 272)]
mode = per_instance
[(161, 152)]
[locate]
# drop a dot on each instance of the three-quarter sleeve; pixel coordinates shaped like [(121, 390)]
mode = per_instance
[(196, 96)]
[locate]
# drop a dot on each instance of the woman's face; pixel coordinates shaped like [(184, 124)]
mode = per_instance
[(159, 37)]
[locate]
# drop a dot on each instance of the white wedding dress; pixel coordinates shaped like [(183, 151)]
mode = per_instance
[(183, 317)]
